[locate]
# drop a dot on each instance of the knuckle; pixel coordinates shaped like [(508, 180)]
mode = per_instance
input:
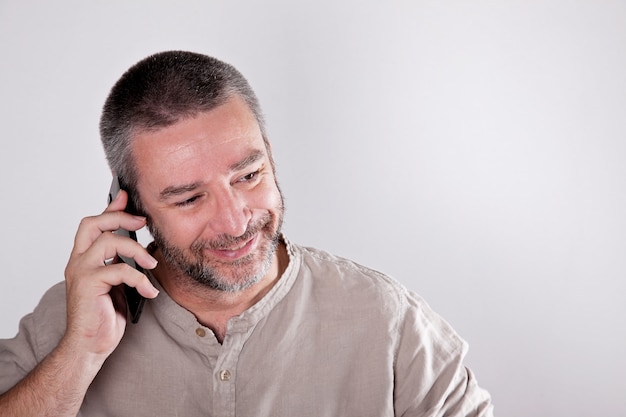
[(106, 238), (87, 222), (125, 274)]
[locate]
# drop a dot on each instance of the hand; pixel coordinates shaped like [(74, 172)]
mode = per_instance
[(95, 316), (95, 327)]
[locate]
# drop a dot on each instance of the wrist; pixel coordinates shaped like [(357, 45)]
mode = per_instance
[(82, 362)]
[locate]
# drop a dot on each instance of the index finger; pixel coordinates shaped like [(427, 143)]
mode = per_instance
[(110, 220), (119, 201)]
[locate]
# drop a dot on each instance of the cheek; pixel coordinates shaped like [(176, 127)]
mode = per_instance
[(178, 231), (269, 197)]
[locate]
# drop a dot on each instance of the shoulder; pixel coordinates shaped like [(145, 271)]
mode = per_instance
[(39, 333), (332, 268), (351, 283), (48, 320), (356, 284), (52, 303)]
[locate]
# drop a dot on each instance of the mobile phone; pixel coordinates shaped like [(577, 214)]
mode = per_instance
[(134, 300)]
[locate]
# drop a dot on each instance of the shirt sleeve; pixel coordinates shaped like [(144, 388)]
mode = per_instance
[(431, 379), (38, 334)]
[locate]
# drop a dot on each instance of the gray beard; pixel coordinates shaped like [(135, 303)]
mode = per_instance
[(244, 272)]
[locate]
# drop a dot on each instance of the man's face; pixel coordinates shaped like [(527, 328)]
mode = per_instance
[(208, 187)]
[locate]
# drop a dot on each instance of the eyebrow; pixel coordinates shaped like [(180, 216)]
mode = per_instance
[(247, 161), (176, 190)]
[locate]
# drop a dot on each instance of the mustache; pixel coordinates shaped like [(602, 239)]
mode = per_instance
[(226, 241)]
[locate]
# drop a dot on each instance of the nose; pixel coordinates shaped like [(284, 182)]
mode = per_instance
[(231, 214)]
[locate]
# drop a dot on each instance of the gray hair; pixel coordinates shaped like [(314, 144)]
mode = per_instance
[(159, 91)]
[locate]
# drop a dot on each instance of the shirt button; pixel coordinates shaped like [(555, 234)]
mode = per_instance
[(225, 375), (200, 332)]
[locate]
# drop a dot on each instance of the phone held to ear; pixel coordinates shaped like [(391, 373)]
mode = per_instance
[(134, 300)]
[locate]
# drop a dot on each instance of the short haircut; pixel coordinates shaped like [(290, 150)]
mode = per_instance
[(159, 91)]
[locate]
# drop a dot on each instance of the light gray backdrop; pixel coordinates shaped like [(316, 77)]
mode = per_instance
[(475, 150)]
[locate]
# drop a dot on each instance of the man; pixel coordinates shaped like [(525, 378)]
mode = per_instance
[(245, 322)]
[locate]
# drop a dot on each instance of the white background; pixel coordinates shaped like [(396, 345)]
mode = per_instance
[(474, 150)]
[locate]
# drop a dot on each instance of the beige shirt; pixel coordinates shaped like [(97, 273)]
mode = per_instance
[(332, 338)]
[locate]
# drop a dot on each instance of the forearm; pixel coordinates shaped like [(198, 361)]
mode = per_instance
[(56, 387)]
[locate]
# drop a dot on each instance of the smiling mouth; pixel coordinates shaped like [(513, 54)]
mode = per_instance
[(238, 251)]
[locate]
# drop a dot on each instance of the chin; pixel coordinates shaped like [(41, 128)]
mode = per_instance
[(200, 269)]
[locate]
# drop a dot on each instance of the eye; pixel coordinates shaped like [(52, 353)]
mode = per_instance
[(250, 177), (187, 202)]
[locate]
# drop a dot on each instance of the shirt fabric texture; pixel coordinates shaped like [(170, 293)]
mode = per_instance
[(331, 338)]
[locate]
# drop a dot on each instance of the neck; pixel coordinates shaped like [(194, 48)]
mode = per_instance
[(214, 308)]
